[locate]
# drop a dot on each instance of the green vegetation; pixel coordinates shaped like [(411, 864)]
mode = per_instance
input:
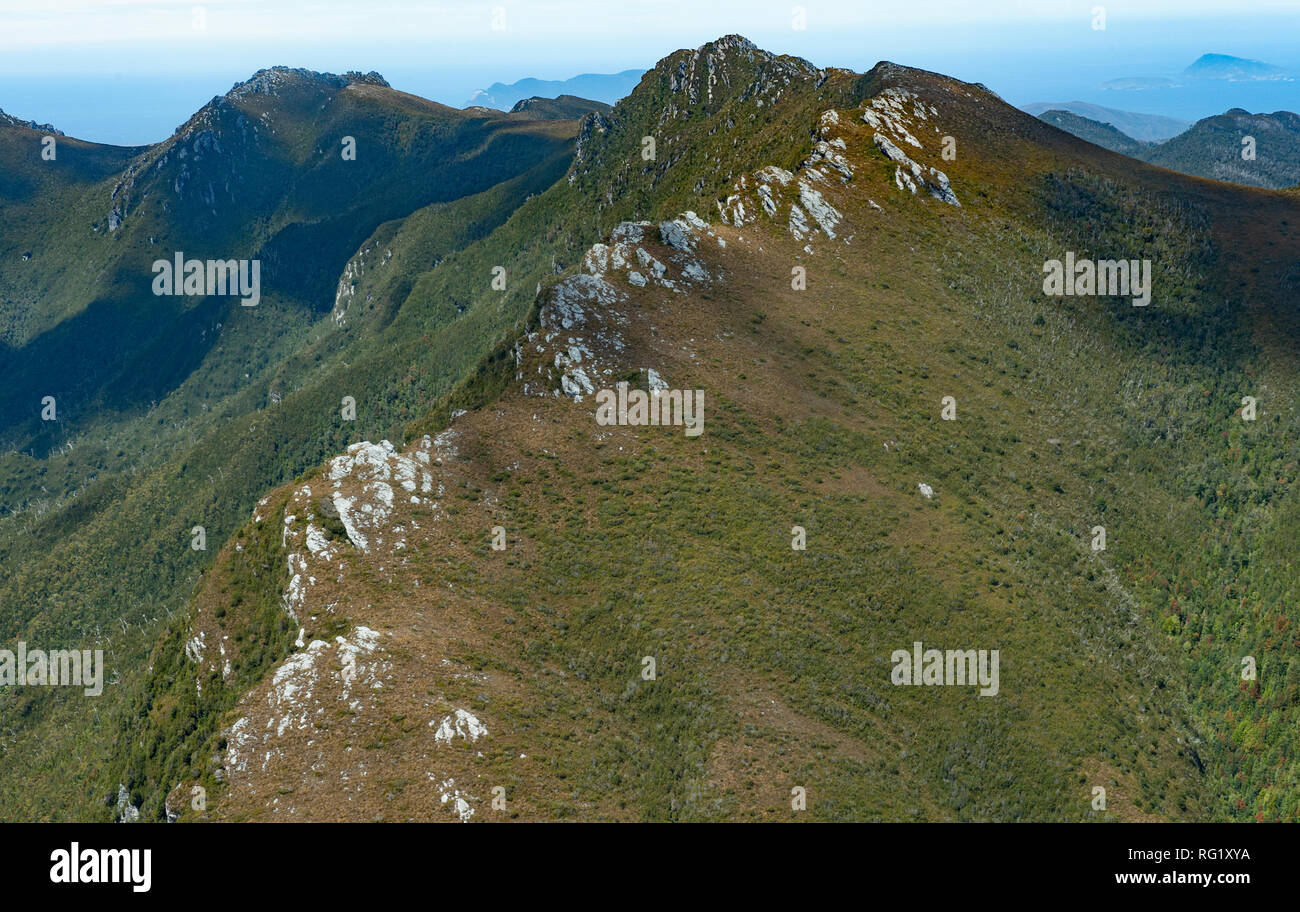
[(1099, 134), (121, 473), (562, 107), (1215, 147), (1120, 667), (1258, 150)]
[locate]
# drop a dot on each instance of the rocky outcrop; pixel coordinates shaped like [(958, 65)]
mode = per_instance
[(888, 115), (594, 124), (580, 337), (8, 120), (124, 811), (356, 517), (273, 80), (772, 190), (352, 273), (734, 65)]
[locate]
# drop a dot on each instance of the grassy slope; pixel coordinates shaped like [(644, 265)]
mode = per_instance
[(1099, 134), (543, 235), (1213, 148), (1210, 148), (39, 195), (1120, 669), (136, 481)]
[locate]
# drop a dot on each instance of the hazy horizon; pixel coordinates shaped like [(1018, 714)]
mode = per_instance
[(130, 72)]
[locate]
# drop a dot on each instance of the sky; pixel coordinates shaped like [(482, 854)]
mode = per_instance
[(130, 71)]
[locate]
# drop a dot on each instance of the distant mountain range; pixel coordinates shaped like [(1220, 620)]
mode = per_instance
[(1144, 127), (605, 87), (1099, 134), (565, 107), (1259, 150), (1221, 67)]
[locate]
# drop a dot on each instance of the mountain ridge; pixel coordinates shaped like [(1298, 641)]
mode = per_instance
[(605, 88), (1258, 150), (150, 391), (797, 244), (516, 420), (1142, 127)]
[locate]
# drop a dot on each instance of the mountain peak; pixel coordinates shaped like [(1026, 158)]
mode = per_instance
[(741, 46), (562, 107), (732, 42), (733, 66), (271, 80)]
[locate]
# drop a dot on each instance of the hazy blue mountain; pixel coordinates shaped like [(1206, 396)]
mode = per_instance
[(1236, 69), (1207, 66), (606, 87), (563, 107), (1258, 150), (1213, 83), (1144, 127), (1142, 83), (1099, 134)]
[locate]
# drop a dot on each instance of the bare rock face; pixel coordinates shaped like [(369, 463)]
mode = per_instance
[(772, 189), (362, 514), (271, 80), (735, 64), (594, 124), (889, 116), (580, 337), (124, 811)]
